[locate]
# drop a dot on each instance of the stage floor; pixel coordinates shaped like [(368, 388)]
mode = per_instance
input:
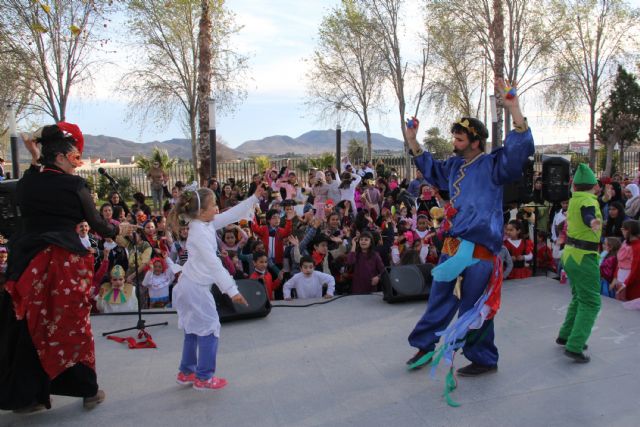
[(343, 364)]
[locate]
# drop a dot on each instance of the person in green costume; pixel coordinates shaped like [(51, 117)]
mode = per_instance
[(580, 260)]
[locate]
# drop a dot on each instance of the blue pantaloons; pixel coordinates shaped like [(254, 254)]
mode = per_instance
[(442, 307)]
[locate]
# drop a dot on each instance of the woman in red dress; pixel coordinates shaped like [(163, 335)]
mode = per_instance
[(46, 344)]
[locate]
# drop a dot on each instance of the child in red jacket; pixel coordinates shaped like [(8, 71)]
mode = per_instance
[(261, 272), (272, 235)]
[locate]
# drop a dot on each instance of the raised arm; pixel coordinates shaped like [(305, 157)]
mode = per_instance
[(518, 145)]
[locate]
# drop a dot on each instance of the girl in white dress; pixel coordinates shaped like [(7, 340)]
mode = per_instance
[(192, 297)]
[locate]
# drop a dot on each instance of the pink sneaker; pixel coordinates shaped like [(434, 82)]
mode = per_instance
[(184, 379), (212, 383)]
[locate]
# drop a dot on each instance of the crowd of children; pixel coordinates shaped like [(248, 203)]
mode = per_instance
[(350, 224)]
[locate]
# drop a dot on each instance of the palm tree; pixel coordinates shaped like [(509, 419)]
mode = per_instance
[(157, 155)]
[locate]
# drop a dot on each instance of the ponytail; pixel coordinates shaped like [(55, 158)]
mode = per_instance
[(188, 207)]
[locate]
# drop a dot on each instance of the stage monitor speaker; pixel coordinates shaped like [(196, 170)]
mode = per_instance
[(520, 191), (406, 282), (9, 210), (255, 294), (556, 175)]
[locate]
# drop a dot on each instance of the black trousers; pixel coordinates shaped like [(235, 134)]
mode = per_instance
[(23, 382)]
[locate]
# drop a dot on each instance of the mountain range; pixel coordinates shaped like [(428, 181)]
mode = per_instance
[(312, 142), (315, 142)]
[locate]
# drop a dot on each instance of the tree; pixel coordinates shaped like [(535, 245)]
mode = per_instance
[(157, 155), (597, 34), (12, 88), (457, 75), (619, 121), (435, 144), (54, 41), (324, 161), (164, 81), (385, 15), (262, 163), (521, 54), (348, 67), (355, 149)]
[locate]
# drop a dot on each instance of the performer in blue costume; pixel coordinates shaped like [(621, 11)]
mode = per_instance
[(467, 266)]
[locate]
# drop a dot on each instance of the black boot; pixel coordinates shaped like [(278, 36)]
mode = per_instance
[(418, 360), (474, 369), (577, 357), (562, 341)]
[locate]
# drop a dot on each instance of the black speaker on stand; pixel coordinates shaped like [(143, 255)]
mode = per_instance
[(556, 176), (9, 210), (520, 191)]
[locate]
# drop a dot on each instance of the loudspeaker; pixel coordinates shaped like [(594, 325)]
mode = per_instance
[(9, 210), (406, 282), (520, 191), (255, 294), (556, 175)]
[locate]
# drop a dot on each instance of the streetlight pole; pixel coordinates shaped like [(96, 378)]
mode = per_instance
[(338, 137), (13, 138), (213, 165), (495, 140)]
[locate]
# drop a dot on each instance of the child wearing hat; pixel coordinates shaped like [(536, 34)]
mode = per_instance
[(116, 296), (580, 260)]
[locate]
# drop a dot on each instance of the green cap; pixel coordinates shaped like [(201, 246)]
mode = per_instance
[(584, 175)]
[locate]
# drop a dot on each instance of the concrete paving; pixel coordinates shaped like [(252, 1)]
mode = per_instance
[(343, 364)]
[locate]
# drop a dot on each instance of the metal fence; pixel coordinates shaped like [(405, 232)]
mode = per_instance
[(242, 171)]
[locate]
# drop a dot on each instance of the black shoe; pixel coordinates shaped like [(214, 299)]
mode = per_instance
[(419, 360), (473, 370), (562, 341), (577, 357)]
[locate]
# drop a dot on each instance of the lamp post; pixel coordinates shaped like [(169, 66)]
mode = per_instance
[(495, 142), (213, 166), (338, 136), (13, 138)]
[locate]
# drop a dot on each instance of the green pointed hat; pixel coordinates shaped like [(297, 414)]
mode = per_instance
[(584, 175)]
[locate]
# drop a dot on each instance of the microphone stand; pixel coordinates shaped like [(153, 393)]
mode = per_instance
[(141, 324)]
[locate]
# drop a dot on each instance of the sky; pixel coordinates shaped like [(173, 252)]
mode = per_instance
[(277, 36)]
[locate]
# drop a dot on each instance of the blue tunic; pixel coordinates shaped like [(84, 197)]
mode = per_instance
[(475, 187)]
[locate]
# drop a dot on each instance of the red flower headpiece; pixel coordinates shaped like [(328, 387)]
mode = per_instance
[(74, 132), (161, 261)]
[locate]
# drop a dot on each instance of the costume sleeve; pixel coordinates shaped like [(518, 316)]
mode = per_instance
[(329, 280), (146, 282), (507, 262), (351, 258), (633, 279), (286, 231), (436, 172), (96, 222), (99, 275), (379, 264), (243, 210), (588, 214), (510, 159), (356, 181), (290, 284)]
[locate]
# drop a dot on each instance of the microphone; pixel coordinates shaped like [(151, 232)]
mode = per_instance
[(111, 179)]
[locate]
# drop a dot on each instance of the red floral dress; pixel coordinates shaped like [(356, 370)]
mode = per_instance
[(53, 293)]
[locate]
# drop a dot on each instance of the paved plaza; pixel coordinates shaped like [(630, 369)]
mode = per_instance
[(342, 364)]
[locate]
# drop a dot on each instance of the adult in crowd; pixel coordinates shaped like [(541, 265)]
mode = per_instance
[(416, 184), (613, 225), (46, 343), (2, 174), (116, 200), (632, 205), (158, 178), (469, 265)]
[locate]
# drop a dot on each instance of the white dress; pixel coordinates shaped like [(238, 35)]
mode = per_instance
[(192, 296)]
